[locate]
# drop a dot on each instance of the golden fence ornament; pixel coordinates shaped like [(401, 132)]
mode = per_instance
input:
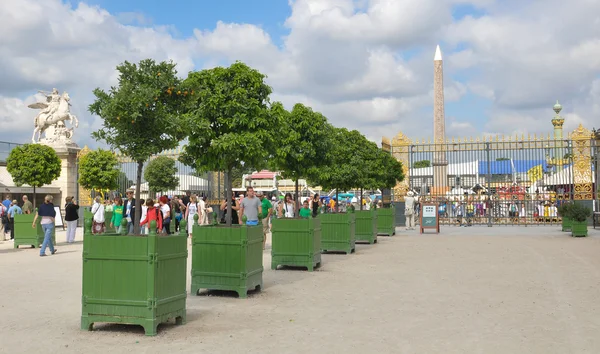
[(582, 163), (400, 147)]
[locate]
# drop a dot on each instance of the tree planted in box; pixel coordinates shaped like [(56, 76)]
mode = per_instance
[(232, 123), (143, 115)]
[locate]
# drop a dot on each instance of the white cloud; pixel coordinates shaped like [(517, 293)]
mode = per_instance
[(366, 64)]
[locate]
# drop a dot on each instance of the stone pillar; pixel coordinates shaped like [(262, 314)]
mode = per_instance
[(440, 163), (67, 182)]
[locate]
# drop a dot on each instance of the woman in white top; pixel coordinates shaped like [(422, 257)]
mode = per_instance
[(202, 215), (286, 208), (98, 216), (143, 217), (192, 209)]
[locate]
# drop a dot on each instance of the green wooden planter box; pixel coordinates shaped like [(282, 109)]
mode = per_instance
[(227, 258), (25, 235), (133, 279), (579, 229), (566, 223), (337, 232), (366, 226), (386, 221), (296, 243)]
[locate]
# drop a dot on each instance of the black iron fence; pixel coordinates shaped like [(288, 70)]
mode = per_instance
[(501, 182)]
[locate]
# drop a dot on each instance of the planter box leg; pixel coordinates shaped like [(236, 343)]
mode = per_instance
[(86, 325), (150, 327), (194, 290), (242, 293), (310, 268), (273, 266), (181, 320)]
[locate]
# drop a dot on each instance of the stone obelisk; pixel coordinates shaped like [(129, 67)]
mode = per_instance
[(440, 163)]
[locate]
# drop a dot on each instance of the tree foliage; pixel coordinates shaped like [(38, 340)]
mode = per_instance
[(392, 170), (98, 170), (142, 115), (160, 174), (422, 164), (230, 122), (342, 171), (33, 164), (304, 144)]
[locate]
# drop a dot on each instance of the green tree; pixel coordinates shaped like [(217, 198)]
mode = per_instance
[(342, 170), (98, 171), (422, 164), (143, 115), (160, 174), (304, 143), (123, 182), (370, 164), (33, 164), (391, 171), (230, 122)]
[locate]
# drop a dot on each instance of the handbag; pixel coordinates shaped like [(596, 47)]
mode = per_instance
[(97, 227)]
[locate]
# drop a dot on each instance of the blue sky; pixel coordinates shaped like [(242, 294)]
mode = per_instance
[(505, 65), (270, 15), (186, 15)]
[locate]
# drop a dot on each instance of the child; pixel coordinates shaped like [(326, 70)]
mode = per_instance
[(117, 216), (305, 211), (153, 213)]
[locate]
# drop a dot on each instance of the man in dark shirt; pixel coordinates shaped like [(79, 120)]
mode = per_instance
[(129, 210), (186, 199)]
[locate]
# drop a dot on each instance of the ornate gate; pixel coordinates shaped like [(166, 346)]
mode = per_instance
[(499, 180)]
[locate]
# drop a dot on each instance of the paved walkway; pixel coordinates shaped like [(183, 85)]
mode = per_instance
[(468, 290)]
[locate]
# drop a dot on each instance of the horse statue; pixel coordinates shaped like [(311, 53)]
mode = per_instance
[(54, 112)]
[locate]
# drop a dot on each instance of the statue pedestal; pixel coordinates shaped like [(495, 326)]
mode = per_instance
[(67, 182)]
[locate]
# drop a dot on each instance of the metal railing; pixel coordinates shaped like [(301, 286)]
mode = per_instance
[(5, 149), (495, 182)]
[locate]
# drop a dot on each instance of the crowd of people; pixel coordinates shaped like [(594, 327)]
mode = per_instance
[(8, 209), (166, 211)]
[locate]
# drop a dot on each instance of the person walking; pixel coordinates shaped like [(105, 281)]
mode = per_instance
[(71, 217), (287, 207), (4, 220), (305, 211), (14, 209), (117, 215), (47, 212), (251, 207), (129, 210), (267, 210), (234, 210), (27, 206), (98, 225), (176, 210), (153, 213), (315, 203), (409, 210), (192, 209), (166, 214)]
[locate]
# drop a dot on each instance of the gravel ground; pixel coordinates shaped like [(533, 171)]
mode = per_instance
[(467, 290)]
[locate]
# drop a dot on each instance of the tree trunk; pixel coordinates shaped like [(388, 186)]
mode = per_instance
[(33, 200), (297, 202), (361, 199), (138, 203), (337, 201), (228, 197)]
